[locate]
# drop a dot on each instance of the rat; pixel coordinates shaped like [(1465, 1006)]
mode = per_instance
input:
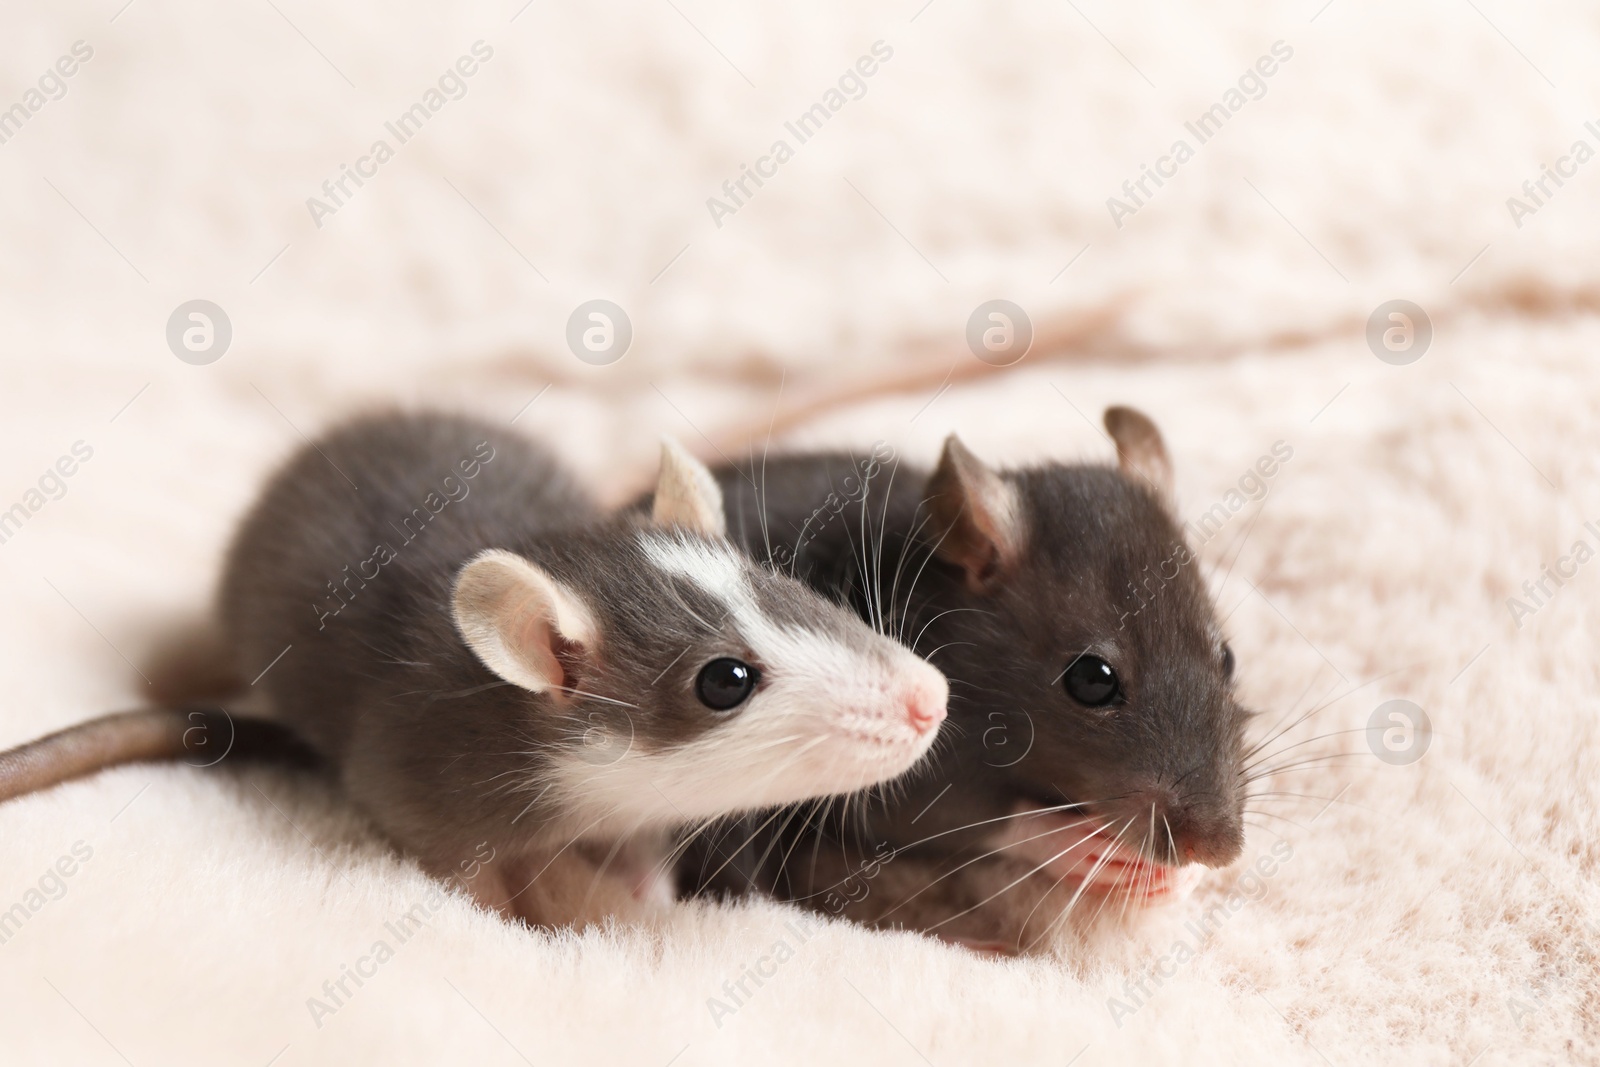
[(1094, 738), (508, 682)]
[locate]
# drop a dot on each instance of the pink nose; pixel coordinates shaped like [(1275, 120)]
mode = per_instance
[(924, 712)]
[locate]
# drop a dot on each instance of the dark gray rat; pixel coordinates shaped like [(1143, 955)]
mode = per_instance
[(506, 680), (1094, 737)]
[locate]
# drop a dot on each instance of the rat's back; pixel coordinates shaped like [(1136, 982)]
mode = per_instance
[(345, 562)]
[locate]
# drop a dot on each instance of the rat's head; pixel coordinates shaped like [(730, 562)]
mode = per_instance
[(1089, 668), (670, 677)]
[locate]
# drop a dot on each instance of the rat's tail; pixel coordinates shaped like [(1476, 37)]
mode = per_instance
[(200, 737)]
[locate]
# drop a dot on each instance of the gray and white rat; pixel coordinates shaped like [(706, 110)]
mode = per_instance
[(1094, 738), (493, 668)]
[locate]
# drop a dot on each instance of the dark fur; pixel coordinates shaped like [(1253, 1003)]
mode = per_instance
[(340, 601), (1092, 535), (440, 752)]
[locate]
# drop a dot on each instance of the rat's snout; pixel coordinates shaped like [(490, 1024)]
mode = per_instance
[(1208, 849), (925, 697), (1195, 829)]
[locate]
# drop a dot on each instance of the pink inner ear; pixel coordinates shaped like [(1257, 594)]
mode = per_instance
[(536, 643), (973, 545), (569, 658), (975, 504), (986, 562), (979, 540)]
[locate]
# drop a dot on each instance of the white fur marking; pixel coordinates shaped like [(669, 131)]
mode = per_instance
[(828, 717)]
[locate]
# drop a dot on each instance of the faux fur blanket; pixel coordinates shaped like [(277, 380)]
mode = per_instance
[(1199, 210)]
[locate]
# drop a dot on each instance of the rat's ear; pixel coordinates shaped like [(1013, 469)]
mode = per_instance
[(523, 624), (977, 515), (1141, 453), (687, 494)]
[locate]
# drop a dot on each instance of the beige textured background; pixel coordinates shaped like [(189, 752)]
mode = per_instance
[(1436, 913)]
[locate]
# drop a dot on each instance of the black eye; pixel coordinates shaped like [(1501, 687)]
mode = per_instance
[(1227, 661), (1091, 681), (725, 683)]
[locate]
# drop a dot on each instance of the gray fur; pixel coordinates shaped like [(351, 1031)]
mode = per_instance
[(430, 743), (342, 596), (438, 750), (1089, 534)]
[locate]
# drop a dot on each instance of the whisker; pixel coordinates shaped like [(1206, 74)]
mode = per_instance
[(1019, 880), (986, 855), (1082, 888), (1001, 818), (1310, 740), (1304, 764), (936, 618), (595, 696)]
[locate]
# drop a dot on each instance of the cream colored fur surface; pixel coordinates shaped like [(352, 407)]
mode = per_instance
[(1439, 912)]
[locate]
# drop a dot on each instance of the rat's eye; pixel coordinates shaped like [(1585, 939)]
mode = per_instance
[(1227, 660), (1091, 682), (725, 683)]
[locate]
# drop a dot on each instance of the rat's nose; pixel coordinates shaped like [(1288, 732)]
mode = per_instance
[(924, 693), (1210, 850), (925, 712), (925, 698), (1187, 833)]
